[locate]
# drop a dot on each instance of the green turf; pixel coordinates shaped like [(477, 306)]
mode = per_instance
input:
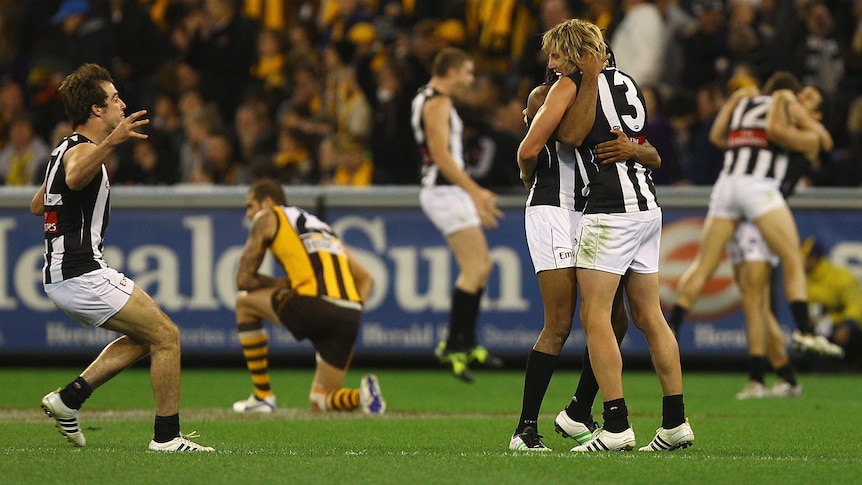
[(436, 430)]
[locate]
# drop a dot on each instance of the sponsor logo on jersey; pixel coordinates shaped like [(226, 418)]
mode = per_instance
[(50, 222)]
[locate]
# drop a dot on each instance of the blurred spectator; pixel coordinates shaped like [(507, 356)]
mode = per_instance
[(60, 130), (327, 160), (222, 50), (300, 48), (821, 58), (189, 100), (490, 155), (338, 16), (149, 161), (704, 48), (198, 124), (12, 106), (677, 23), (706, 160), (343, 100), (604, 13), (418, 51), (661, 135), (396, 159), (166, 118), (681, 114), (269, 71), (84, 36), (220, 163), (497, 30), (13, 55), (253, 130), (744, 39), (640, 40), (139, 50), (533, 62), (293, 162), (24, 154), (353, 167), (846, 162)]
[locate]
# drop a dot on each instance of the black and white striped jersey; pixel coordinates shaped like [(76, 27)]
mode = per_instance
[(624, 186), (559, 180), (749, 151), (430, 173), (75, 220)]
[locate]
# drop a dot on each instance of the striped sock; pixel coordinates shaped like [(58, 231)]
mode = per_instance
[(342, 399), (255, 348)]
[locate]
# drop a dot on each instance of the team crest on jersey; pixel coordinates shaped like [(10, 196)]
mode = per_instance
[(50, 222)]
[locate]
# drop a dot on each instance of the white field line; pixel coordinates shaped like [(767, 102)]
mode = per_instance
[(36, 415)]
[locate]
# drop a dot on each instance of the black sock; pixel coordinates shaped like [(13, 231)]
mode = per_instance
[(616, 416), (74, 394), (581, 407), (788, 374), (672, 411), (462, 320), (540, 368), (799, 309), (677, 315), (166, 428), (757, 368)]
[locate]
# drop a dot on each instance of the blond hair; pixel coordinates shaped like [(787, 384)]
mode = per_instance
[(571, 39)]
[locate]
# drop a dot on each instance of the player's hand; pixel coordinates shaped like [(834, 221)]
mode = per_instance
[(620, 149), (127, 126), (592, 63), (486, 207)]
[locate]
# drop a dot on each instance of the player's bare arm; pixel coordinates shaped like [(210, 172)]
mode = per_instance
[(260, 235), (37, 205), (544, 125), (622, 149), (803, 119), (535, 100), (781, 130), (580, 116), (82, 162), (361, 276), (435, 116), (719, 131)]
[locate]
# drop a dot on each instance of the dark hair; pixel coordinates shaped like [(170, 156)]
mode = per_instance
[(82, 89), (781, 80), (268, 188), (446, 59)]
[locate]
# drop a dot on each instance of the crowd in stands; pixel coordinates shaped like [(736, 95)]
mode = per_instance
[(319, 91)]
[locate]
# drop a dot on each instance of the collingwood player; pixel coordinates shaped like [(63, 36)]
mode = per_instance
[(456, 204), (74, 200)]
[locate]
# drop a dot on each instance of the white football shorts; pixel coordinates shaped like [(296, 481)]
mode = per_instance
[(743, 197), (551, 236), (748, 245), (92, 298), (449, 207), (615, 243)]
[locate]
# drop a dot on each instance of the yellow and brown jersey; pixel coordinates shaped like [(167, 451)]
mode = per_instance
[(312, 256)]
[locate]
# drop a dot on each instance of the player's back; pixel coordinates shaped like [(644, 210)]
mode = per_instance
[(624, 186), (312, 256)]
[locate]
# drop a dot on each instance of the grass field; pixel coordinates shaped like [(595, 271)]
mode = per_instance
[(436, 430)]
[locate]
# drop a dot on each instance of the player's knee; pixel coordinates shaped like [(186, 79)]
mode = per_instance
[(167, 336)]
